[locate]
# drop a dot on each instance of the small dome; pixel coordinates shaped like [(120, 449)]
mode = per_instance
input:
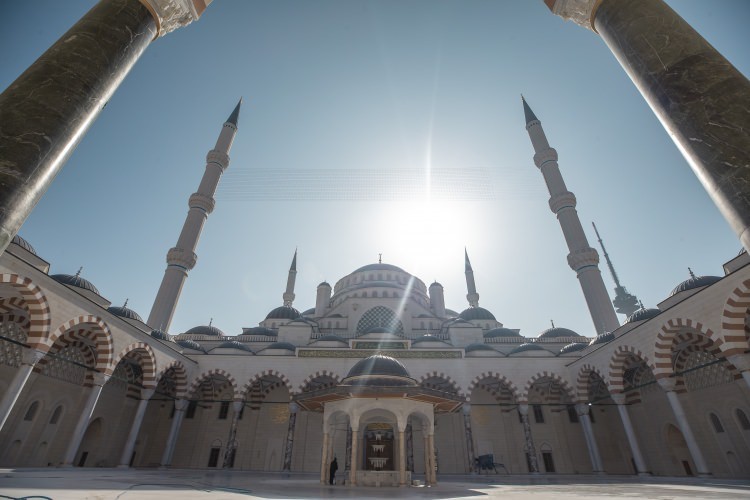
[(233, 344), (573, 347), (324, 283), (553, 333), (283, 312), (476, 313), (158, 334), (330, 338), (76, 281), (643, 315), (260, 330), (308, 312), (125, 312), (501, 332), (282, 345), (530, 346), (23, 244), (190, 344), (436, 284), (378, 364), (694, 282), (479, 347), (602, 338), (379, 267), (205, 330)]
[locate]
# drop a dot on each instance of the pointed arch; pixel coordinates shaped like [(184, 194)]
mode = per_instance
[(583, 382), (454, 387), (96, 330), (318, 375), (36, 304), (501, 378), (621, 361), (734, 321), (146, 359), (567, 388), (667, 337), (195, 385), (177, 370)]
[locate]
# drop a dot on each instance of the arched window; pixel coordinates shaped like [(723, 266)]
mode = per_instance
[(31, 412), (716, 423), (742, 419), (56, 415)]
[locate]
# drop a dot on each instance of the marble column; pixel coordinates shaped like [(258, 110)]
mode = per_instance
[(588, 434), (355, 460), (324, 460), (289, 445), (49, 108), (469, 438), (135, 427), (668, 384), (700, 98), (401, 458), (348, 460), (231, 450), (409, 448), (180, 405), (433, 470), (529, 448), (635, 449), (29, 358), (83, 421), (427, 461)]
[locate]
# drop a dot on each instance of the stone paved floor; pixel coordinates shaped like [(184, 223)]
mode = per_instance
[(179, 484)]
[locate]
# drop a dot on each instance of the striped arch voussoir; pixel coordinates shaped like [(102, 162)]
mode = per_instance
[(582, 382), (673, 332), (15, 317), (271, 373), (197, 382), (37, 306), (510, 385), (540, 375), (445, 377), (180, 376), (310, 378), (146, 359), (734, 330), (102, 337), (617, 366)]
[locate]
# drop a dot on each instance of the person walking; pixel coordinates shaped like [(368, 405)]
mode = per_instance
[(332, 471)]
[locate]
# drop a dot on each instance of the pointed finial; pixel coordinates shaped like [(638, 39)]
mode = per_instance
[(528, 114), (294, 261), (640, 302), (467, 263), (553, 322), (125, 304), (380, 258), (235, 114), (78, 274), (210, 322), (692, 274)]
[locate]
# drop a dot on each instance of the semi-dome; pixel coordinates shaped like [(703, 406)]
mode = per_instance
[(476, 313), (76, 281), (573, 347), (479, 347), (23, 244), (282, 345), (501, 332), (158, 334), (602, 338), (233, 344), (555, 332), (529, 346), (643, 315), (190, 344), (260, 330), (205, 330), (694, 282), (378, 364), (284, 312), (379, 267), (125, 312)]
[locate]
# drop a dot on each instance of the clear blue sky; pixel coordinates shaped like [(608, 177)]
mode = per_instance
[(374, 85)]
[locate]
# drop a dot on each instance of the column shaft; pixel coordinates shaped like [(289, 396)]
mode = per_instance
[(433, 470), (231, 450), (83, 420), (135, 428), (49, 108), (289, 445), (179, 413), (588, 432), (687, 433), (324, 460), (355, 460), (469, 440), (529, 448), (17, 383), (699, 97), (401, 458), (640, 464)]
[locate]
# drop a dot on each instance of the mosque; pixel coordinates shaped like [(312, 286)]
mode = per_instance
[(380, 374)]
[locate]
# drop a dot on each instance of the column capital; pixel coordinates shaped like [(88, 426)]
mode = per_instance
[(583, 258), (293, 407), (466, 408), (100, 378), (180, 404), (581, 12), (740, 361), (523, 409), (669, 384), (237, 406), (618, 398), (583, 409), (172, 14), (147, 393), (182, 258), (31, 356)]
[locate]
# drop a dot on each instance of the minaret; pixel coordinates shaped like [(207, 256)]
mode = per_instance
[(182, 257), (472, 296), (625, 303), (289, 294), (583, 259)]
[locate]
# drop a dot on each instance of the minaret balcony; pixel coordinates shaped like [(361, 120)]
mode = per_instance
[(183, 258), (203, 202), (562, 200), (584, 257), (218, 157), (543, 157)]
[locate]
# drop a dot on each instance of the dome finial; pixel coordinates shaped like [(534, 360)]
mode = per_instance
[(692, 274), (126, 303), (211, 322), (78, 274), (640, 302), (553, 322), (380, 258)]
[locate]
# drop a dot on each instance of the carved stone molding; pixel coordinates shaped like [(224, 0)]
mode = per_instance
[(173, 14), (180, 257), (218, 157), (562, 200), (583, 258), (581, 12), (543, 157), (205, 203)]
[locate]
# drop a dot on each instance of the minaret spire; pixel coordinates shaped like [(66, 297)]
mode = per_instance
[(288, 295), (472, 296), (182, 257), (625, 303), (582, 259)]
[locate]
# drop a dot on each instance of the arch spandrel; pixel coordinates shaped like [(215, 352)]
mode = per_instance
[(90, 327)]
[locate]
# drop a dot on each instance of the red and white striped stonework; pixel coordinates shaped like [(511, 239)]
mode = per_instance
[(175, 371), (267, 373), (617, 366), (36, 304), (94, 329), (583, 381), (541, 375), (144, 356), (496, 376), (19, 317), (211, 373), (443, 377), (736, 337), (304, 386), (666, 340)]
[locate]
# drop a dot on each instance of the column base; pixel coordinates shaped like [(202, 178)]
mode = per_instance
[(704, 474), (65, 466), (599, 473), (122, 466), (644, 474)]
